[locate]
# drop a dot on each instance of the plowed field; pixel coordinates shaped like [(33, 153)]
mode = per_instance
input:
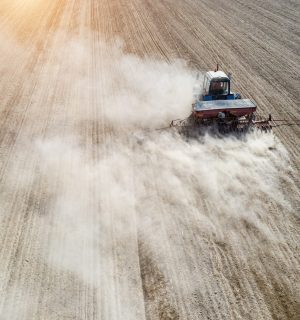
[(104, 217)]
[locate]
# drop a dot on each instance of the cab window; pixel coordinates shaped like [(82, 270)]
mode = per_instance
[(219, 88)]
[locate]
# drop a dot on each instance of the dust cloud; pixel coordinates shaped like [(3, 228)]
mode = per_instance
[(101, 199), (99, 208), (122, 89)]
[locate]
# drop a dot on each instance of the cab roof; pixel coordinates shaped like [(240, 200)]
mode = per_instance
[(216, 75)]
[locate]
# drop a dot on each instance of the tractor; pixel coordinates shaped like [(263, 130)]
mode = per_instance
[(219, 108)]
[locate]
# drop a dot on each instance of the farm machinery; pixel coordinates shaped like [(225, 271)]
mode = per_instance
[(219, 108)]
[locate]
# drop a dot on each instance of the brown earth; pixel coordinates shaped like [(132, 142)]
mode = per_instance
[(94, 225)]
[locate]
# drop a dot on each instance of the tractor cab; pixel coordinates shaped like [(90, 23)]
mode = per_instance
[(216, 86)]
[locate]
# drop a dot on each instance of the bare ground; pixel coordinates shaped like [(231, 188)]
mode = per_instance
[(97, 226)]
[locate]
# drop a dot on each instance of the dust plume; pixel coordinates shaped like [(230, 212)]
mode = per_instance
[(99, 208), (116, 199), (121, 89), (136, 189)]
